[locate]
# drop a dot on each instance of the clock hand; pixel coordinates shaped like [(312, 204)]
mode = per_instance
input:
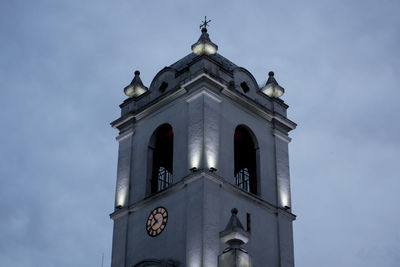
[(154, 222)]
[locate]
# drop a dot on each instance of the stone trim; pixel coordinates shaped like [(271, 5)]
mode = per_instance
[(281, 136), (125, 135), (188, 83), (166, 100), (206, 92), (163, 102), (190, 179), (247, 103)]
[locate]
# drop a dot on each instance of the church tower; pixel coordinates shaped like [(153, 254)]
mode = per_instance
[(203, 158)]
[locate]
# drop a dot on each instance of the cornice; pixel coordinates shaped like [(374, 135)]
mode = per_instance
[(246, 102), (148, 108), (125, 135), (186, 181), (281, 136)]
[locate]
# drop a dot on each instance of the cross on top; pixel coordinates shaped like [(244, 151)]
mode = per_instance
[(205, 23)]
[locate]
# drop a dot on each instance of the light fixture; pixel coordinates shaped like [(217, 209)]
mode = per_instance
[(212, 169), (286, 207), (118, 207), (193, 169), (204, 44)]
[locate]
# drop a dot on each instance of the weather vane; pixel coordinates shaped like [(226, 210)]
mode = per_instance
[(205, 23)]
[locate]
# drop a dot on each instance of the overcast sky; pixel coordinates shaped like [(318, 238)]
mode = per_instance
[(63, 67)]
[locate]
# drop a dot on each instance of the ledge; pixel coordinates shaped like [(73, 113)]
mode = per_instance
[(202, 75), (151, 107), (192, 178)]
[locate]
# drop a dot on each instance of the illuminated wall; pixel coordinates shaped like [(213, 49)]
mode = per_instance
[(203, 129), (282, 171), (123, 169)]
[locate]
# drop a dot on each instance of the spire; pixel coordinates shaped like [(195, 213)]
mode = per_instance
[(272, 88), (136, 87), (204, 44), (234, 235)]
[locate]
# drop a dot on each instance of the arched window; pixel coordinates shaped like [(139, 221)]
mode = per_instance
[(160, 156), (245, 159)]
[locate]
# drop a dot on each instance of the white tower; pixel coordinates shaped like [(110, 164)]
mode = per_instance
[(201, 140)]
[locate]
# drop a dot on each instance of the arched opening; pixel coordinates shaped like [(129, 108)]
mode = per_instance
[(161, 158), (245, 159), (155, 263)]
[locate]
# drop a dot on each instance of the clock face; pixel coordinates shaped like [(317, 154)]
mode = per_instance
[(157, 221)]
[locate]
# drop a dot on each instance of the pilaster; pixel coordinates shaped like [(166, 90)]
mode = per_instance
[(124, 169)]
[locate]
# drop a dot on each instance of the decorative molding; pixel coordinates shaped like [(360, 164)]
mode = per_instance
[(188, 83), (118, 122), (206, 92), (249, 196), (192, 178), (148, 200), (247, 104), (125, 135), (163, 102), (250, 105), (285, 121), (281, 136), (287, 214)]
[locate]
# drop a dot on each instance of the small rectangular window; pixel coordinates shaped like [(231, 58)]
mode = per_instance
[(248, 222)]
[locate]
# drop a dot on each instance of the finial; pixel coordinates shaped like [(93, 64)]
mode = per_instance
[(234, 233), (272, 88), (234, 211), (204, 44), (136, 87), (204, 24)]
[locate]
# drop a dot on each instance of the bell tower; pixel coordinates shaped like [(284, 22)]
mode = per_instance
[(202, 146)]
